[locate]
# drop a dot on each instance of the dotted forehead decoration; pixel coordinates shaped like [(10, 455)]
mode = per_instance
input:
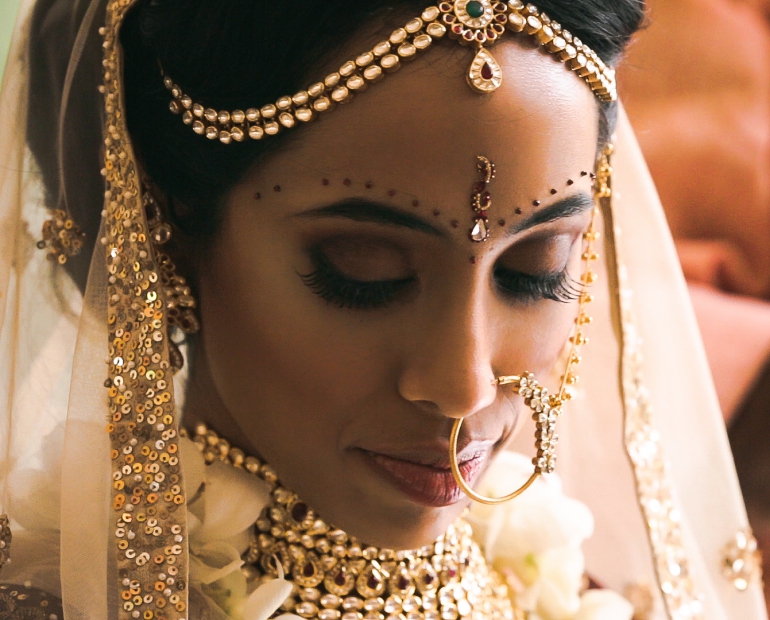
[(481, 199), (475, 23)]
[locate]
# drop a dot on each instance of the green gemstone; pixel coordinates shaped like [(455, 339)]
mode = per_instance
[(474, 9)]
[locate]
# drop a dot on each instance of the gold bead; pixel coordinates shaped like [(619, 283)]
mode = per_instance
[(422, 41), (365, 59), (436, 30), (373, 73), (430, 14), (414, 25), (407, 51), (390, 63), (381, 48), (516, 22), (348, 69), (398, 36)]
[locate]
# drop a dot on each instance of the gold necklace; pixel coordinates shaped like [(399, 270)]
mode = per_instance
[(339, 578)]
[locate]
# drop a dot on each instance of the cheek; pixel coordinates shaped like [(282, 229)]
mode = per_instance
[(275, 350), (534, 339), (535, 345)]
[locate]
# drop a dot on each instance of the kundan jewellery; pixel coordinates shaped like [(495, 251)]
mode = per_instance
[(476, 23), (481, 200), (546, 407), (337, 577)]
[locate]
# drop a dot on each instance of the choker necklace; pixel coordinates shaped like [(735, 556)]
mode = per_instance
[(339, 578)]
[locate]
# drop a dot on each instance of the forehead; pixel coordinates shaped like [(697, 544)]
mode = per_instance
[(421, 129)]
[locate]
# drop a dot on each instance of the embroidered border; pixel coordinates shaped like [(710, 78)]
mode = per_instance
[(149, 503), (651, 471)]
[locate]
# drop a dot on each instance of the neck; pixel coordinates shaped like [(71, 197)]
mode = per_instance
[(203, 404)]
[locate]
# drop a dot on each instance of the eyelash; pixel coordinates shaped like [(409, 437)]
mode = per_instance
[(519, 286), (336, 288)]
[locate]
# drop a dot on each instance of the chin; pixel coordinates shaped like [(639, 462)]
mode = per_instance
[(397, 505)]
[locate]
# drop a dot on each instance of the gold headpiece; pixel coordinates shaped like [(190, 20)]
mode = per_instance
[(473, 22)]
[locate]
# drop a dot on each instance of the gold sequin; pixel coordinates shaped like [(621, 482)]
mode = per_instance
[(142, 454)]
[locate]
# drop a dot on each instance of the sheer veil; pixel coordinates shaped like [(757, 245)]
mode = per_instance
[(643, 443)]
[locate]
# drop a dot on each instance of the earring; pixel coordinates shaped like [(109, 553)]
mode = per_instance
[(62, 236), (546, 408), (179, 300)]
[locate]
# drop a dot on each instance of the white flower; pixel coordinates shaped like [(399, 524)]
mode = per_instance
[(226, 503), (604, 605), (535, 542)]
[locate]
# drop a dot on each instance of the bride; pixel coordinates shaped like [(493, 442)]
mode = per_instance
[(322, 341)]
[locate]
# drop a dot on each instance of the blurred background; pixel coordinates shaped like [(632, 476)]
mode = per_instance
[(696, 85), (7, 16)]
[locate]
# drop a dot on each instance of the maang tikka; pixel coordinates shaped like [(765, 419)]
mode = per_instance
[(477, 24), (481, 200)]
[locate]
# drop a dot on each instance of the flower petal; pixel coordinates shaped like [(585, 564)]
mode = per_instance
[(234, 499), (214, 561), (193, 466), (266, 599), (604, 605)]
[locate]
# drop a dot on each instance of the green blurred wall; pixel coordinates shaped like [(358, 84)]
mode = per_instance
[(8, 10)]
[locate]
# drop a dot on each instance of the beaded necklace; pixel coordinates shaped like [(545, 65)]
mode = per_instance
[(339, 578)]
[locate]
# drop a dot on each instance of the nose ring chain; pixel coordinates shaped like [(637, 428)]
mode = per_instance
[(546, 407)]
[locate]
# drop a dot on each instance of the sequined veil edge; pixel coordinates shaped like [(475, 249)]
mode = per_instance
[(643, 473), (92, 585)]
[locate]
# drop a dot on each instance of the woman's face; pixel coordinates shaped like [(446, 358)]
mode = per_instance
[(348, 318)]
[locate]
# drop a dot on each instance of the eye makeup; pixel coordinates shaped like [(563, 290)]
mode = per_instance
[(522, 287), (338, 289)]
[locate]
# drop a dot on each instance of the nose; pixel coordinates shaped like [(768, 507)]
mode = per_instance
[(448, 369)]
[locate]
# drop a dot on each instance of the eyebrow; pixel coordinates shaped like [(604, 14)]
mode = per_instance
[(361, 210), (566, 207)]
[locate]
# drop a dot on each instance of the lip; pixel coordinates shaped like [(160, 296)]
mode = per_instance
[(424, 479)]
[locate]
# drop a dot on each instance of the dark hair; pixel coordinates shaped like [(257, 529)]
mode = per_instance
[(235, 54)]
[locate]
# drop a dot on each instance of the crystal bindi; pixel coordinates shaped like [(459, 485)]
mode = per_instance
[(480, 231)]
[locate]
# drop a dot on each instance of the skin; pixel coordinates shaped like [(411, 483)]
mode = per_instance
[(312, 387)]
